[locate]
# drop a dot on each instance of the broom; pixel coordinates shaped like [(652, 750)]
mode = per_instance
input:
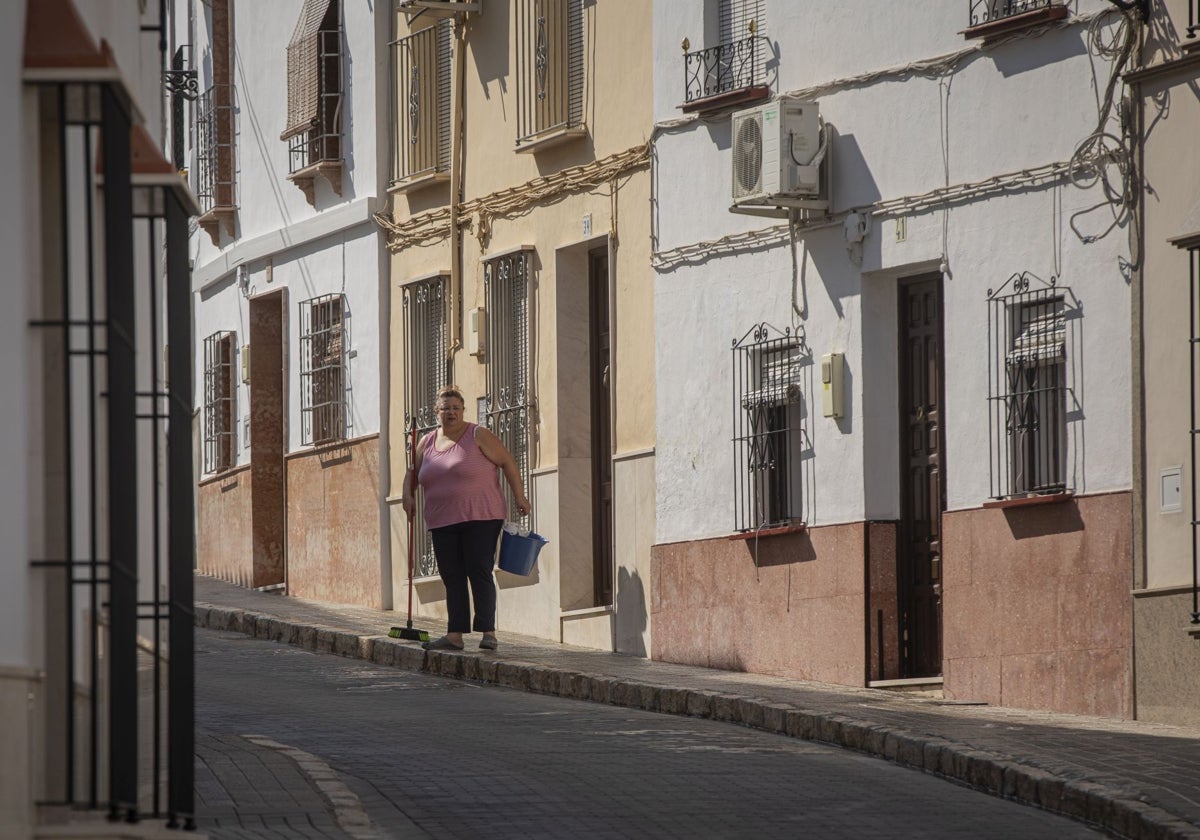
[(407, 632)]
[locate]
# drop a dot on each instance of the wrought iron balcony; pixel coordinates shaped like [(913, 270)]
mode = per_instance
[(990, 11), (719, 71)]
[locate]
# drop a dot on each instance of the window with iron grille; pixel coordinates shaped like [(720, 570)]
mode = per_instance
[(1028, 387), (506, 286), (426, 371), (215, 148), (737, 59), (314, 87), (421, 102), (220, 394), (550, 70), (323, 383), (768, 428), (215, 125)]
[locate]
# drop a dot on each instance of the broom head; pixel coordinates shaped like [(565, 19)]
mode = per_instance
[(409, 633)]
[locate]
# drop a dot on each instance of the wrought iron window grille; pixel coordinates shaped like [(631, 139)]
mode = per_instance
[(1193, 427), (121, 475), (216, 132), (1029, 323), (426, 371), (772, 372), (989, 11), (1193, 19), (220, 403), (506, 282), (324, 385), (321, 141), (421, 73), (550, 68)]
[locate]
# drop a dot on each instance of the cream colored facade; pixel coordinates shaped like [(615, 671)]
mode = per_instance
[(565, 197), (1166, 638)]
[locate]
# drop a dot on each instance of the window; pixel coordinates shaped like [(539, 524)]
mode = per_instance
[(768, 428), (421, 121), (216, 132), (314, 97), (220, 436), (550, 46), (322, 369), (1028, 390), (506, 289), (731, 71), (426, 372)]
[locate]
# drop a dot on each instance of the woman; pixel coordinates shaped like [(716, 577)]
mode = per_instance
[(464, 512)]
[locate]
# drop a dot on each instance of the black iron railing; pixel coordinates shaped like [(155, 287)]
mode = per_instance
[(215, 148), (768, 427), (324, 328), (322, 141), (1027, 387), (117, 459), (1193, 429), (550, 69), (506, 284), (427, 370), (421, 102), (987, 11), (721, 69)]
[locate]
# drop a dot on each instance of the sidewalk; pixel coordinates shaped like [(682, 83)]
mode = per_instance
[(1135, 780)]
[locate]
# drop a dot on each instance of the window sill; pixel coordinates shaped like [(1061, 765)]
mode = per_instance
[(548, 139), (1015, 23), (729, 99), (305, 178), (221, 216), (1029, 501), (418, 182), (769, 532), (1193, 630)]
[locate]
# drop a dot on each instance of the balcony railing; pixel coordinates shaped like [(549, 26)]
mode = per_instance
[(721, 69), (989, 11), (322, 141), (215, 164)]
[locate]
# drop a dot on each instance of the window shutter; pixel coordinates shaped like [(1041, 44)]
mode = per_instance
[(303, 67)]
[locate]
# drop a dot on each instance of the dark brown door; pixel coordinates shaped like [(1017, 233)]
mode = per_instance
[(268, 407), (601, 430), (919, 559)]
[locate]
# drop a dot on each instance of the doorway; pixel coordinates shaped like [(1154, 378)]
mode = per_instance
[(599, 361), (268, 408), (922, 470)]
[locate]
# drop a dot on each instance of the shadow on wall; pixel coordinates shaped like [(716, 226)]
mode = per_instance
[(631, 613), (773, 551), (1044, 520)]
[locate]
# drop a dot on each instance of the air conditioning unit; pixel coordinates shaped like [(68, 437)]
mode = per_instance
[(778, 152)]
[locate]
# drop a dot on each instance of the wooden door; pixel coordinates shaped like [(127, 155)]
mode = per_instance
[(919, 558), (601, 450)]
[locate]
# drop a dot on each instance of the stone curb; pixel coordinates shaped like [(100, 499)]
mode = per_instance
[(1116, 811)]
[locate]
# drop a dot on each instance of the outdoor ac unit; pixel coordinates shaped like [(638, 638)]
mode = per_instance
[(777, 154)]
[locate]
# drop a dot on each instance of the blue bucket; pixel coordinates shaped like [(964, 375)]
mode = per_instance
[(518, 554)]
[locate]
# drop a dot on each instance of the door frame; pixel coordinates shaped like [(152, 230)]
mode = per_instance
[(904, 561)]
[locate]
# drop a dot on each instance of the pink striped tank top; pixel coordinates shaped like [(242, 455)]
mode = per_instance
[(461, 484)]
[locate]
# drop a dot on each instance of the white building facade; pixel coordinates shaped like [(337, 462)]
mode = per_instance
[(893, 443), (288, 162)]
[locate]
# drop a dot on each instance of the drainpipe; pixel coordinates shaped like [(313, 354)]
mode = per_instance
[(456, 166)]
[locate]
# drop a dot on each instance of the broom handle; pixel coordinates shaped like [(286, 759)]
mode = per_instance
[(411, 526)]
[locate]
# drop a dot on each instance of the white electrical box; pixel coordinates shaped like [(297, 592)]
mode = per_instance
[(832, 393), (476, 331), (1171, 497), (245, 362)]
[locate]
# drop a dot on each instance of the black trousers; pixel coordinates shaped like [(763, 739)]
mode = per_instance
[(466, 553)]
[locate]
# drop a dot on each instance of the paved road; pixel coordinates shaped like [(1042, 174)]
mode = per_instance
[(297, 744)]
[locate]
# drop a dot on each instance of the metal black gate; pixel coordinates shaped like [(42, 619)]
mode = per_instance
[(117, 461)]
